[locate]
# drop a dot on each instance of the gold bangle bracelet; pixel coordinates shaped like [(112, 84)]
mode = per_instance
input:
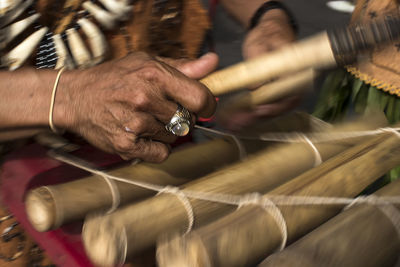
[(53, 99)]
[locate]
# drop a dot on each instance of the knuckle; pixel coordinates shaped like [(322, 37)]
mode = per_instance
[(200, 100), (138, 126), (150, 71), (123, 145), (142, 100)]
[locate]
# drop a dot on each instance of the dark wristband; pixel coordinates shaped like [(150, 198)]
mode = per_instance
[(273, 5)]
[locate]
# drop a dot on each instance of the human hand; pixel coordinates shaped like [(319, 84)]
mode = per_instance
[(122, 106), (272, 31)]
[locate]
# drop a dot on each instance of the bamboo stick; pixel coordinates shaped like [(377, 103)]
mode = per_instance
[(249, 234), (270, 92), (283, 87), (326, 49), (362, 236), (133, 228), (313, 52), (78, 198), (48, 207)]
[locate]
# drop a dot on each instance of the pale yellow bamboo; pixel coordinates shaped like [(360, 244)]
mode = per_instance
[(313, 52), (131, 229), (362, 236), (285, 86), (48, 207), (51, 206), (270, 92), (249, 234)]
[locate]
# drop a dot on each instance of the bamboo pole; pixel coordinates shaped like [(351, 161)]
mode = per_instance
[(133, 228), (48, 207), (313, 52), (362, 236), (326, 49), (78, 198), (249, 234), (283, 87), (270, 92)]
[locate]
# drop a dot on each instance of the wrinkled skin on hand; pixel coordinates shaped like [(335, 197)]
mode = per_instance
[(123, 106), (272, 32)]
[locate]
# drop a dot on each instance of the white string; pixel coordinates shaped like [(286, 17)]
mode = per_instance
[(357, 200), (293, 137), (391, 130), (268, 202), (273, 210), (276, 213), (116, 197), (318, 158), (241, 148), (239, 200), (393, 214), (296, 137), (282, 200), (185, 201), (387, 208), (226, 198)]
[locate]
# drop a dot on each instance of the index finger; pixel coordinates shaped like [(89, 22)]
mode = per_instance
[(190, 93)]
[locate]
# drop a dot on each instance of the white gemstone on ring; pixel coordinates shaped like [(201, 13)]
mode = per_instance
[(180, 123)]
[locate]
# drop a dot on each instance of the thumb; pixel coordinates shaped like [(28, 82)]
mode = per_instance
[(200, 67), (194, 69)]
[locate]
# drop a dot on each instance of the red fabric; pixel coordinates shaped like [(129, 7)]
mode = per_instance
[(30, 167)]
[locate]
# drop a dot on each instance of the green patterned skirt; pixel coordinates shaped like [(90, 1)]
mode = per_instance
[(343, 94)]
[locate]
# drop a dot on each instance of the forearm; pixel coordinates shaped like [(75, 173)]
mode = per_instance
[(9, 135), (120, 106), (25, 97)]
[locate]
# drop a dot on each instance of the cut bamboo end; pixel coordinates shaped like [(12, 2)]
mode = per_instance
[(184, 254), (40, 209), (105, 242)]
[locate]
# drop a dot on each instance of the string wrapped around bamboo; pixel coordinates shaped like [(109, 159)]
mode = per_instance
[(249, 234), (133, 228), (48, 207), (362, 236)]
